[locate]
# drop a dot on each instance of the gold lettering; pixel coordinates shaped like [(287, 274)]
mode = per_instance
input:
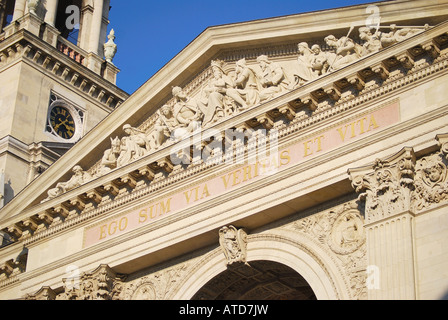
[(284, 158), (205, 192), (152, 212), (274, 162), (188, 195), (142, 216), (122, 226), (353, 129), (342, 134), (256, 170), (236, 180), (165, 208), (307, 148), (372, 123), (264, 163), (247, 173), (103, 232), (226, 181), (361, 125), (307, 145), (113, 223), (319, 143)]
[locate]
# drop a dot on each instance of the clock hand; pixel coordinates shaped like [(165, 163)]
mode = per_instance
[(60, 124)]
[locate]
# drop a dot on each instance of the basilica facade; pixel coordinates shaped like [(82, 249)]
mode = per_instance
[(296, 158)]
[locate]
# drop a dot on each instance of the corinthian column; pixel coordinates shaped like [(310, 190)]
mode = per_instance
[(385, 193)]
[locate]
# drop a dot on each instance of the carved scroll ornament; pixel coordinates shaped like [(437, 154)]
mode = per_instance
[(233, 243)]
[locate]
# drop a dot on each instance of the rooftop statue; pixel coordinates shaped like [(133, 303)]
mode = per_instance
[(110, 48)]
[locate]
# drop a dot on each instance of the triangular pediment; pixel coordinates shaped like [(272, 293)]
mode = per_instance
[(311, 79)]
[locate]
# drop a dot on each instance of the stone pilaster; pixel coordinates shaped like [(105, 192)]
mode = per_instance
[(385, 191)]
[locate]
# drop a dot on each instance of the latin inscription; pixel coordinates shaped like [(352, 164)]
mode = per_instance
[(243, 174)]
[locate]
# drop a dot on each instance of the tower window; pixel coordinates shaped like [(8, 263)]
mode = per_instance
[(6, 13)]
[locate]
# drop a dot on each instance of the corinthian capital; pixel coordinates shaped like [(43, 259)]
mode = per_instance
[(385, 186)]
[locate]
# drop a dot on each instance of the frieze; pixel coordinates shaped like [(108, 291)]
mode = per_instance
[(271, 159)]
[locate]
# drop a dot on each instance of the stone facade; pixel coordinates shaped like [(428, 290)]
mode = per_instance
[(292, 164)]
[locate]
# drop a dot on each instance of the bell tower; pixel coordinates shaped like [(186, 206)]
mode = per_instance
[(57, 81)]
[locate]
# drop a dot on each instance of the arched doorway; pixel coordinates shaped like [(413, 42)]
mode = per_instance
[(259, 280), (288, 249)]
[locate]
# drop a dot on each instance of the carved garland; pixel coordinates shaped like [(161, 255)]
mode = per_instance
[(341, 233)]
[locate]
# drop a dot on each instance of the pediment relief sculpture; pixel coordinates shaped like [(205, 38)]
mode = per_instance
[(231, 89)]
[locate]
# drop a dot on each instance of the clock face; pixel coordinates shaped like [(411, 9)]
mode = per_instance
[(62, 122)]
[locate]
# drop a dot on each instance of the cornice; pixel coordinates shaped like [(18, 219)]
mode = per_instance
[(26, 46)]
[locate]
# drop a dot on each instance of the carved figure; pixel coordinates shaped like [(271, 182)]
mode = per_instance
[(164, 126), (272, 79), (233, 243), (133, 147), (431, 183), (110, 157), (33, 5), (214, 105), (372, 41), (320, 60), (305, 71), (246, 90), (79, 178), (346, 51), (387, 189), (187, 114), (396, 35)]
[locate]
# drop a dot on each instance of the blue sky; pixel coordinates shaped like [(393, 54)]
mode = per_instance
[(150, 33)]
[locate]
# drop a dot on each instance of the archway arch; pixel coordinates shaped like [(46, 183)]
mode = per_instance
[(291, 250), (259, 280)]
